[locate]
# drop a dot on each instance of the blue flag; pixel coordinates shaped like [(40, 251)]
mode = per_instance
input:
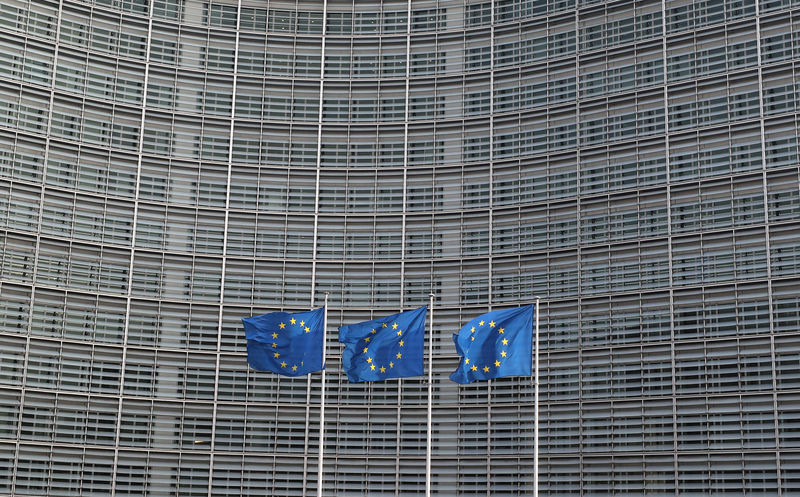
[(287, 343), (388, 347), (495, 344)]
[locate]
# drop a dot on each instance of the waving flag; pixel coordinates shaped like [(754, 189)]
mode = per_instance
[(287, 343), (388, 347), (495, 344)]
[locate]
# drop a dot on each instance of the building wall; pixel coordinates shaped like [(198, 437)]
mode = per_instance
[(170, 166)]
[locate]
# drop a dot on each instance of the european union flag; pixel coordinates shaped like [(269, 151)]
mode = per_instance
[(287, 343), (495, 344), (388, 347)]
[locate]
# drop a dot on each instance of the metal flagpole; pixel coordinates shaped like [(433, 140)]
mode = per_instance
[(536, 405), (322, 399), (430, 403)]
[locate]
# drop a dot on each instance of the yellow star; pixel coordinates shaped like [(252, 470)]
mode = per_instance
[(474, 368), (503, 353), (473, 329), (501, 330), (293, 320), (367, 339), (365, 350), (481, 323), (486, 369), (491, 324), (372, 367), (473, 338), (399, 355), (302, 323), (384, 325), (383, 369), (274, 345), (466, 360), (399, 332), (505, 341), (294, 368), (394, 326), (369, 359), (391, 364), (373, 330), (276, 355), (308, 329), (497, 363), (274, 335), (282, 325), (401, 343), (283, 364)]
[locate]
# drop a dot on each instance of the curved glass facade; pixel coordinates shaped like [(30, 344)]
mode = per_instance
[(170, 166)]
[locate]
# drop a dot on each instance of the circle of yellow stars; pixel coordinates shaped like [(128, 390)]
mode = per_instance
[(503, 353), (282, 326), (399, 355)]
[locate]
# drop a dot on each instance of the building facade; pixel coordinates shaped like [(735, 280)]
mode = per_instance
[(170, 166)]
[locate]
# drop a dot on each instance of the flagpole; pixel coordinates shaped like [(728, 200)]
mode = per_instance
[(536, 405), (430, 403), (322, 398)]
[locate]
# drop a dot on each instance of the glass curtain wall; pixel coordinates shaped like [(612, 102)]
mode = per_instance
[(170, 166)]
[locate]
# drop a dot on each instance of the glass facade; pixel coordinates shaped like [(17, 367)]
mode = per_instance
[(170, 166)]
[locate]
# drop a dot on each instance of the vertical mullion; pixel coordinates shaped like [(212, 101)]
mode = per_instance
[(407, 90), (664, 70), (765, 195), (126, 322), (307, 438), (491, 150), (319, 150), (405, 161), (489, 294), (217, 354), (35, 263), (578, 237)]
